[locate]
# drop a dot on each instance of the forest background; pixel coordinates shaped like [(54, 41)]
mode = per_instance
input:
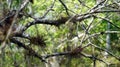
[(59, 33)]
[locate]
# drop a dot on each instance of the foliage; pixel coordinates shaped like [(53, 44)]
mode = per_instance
[(59, 33)]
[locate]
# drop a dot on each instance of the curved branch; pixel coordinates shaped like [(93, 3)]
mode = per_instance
[(49, 22), (65, 7), (32, 52), (63, 20)]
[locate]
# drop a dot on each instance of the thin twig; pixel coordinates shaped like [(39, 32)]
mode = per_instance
[(97, 5), (108, 21), (82, 3), (48, 10), (101, 33), (110, 53), (65, 7)]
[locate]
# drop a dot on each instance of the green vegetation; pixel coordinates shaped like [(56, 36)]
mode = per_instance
[(59, 33)]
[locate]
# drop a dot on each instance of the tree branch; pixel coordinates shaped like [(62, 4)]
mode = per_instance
[(32, 52), (65, 7)]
